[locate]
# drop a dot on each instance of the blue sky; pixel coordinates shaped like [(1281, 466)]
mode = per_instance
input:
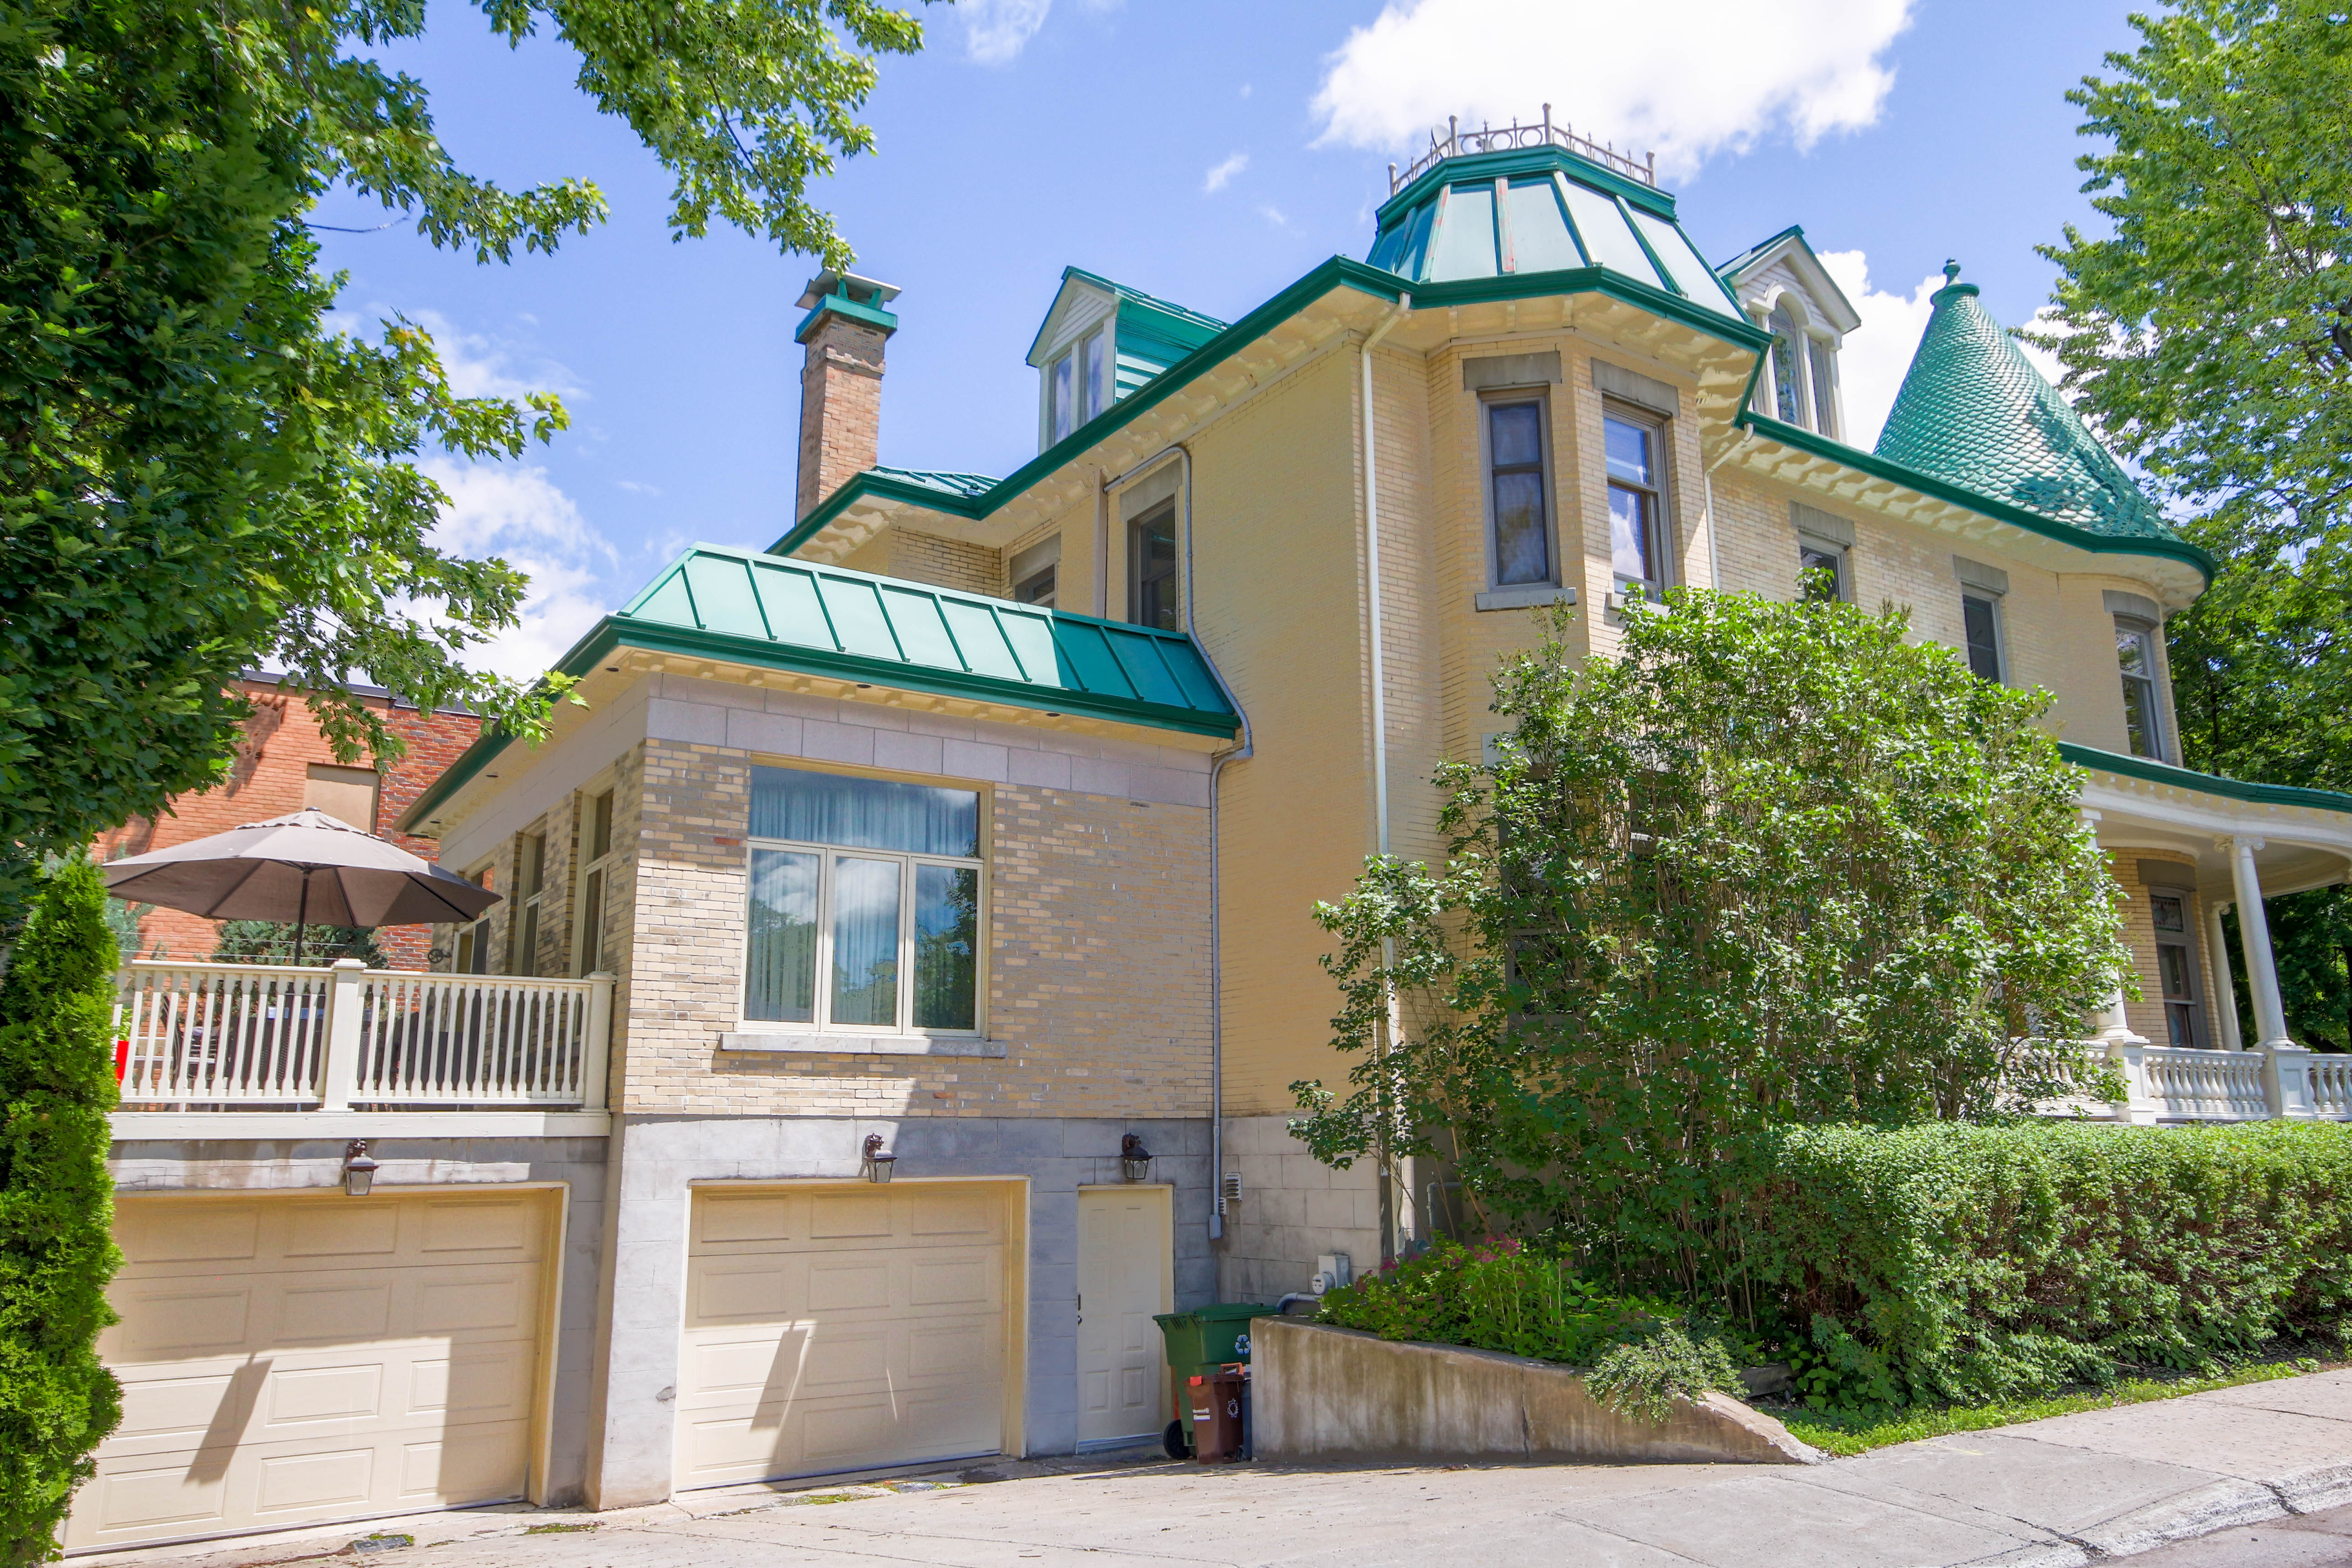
[(1032, 135)]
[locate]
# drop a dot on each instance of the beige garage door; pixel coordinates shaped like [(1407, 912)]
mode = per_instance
[(844, 1328), (293, 1358)]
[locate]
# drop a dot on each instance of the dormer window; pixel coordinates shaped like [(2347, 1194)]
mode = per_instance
[(1788, 405), (1799, 385), (1077, 384)]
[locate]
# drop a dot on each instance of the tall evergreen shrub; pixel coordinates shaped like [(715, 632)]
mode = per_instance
[(56, 1208)]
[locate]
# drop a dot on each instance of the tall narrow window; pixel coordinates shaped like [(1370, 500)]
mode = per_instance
[(2135, 653), (1636, 502), (1095, 353), (2176, 965), (1981, 623), (531, 887), (595, 876), (1788, 397), (1515, 457), (473, 949), (864, 904), (1061, 399), (1825, 387), (1151, 598)]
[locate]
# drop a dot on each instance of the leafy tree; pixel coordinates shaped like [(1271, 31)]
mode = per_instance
[(57, 1207), (2210, 333), (197, 476), (2210, 337), (1773, 864)]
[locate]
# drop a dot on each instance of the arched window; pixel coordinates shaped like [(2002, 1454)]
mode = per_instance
[(1787, 401)]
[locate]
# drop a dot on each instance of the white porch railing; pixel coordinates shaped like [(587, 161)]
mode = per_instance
[(224, 1036), (2172, 1085)]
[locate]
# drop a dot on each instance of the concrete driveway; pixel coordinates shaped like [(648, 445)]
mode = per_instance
[(2268, 1464)]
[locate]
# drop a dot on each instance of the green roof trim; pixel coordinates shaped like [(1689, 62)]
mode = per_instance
[(743, 608), (963, 486), (1167, 319), (842, 305), (2154, 771), (1339, 272), (1973, 410), (2167, 546), (1524, 160)]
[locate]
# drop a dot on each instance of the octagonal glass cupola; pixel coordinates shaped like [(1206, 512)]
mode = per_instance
[(1526, 199)]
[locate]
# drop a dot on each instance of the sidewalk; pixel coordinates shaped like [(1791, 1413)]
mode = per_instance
[(2051, 1494)]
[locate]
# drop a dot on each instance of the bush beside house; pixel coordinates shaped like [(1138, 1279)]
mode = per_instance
[(57, 1207)]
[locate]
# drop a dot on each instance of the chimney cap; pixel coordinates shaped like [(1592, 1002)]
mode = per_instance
[(858, 291)]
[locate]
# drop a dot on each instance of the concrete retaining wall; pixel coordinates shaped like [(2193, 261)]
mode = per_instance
[(1322, 1393)]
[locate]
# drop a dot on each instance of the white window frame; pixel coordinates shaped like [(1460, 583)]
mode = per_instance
[(1992, 602), (2185, 938), (597, 869), (1072, 350), (1840, 562), (1661, 544), (1540, 399), (821, 1021), (2157, 738)]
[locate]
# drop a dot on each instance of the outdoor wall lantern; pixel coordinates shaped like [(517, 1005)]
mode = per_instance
[(1134, 1158), (877, 1165), (359, 1170)]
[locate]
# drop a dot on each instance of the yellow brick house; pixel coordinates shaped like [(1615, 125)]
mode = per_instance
[(964, 841)]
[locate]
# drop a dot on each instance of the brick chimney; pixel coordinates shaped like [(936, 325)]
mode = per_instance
[(841, 383)]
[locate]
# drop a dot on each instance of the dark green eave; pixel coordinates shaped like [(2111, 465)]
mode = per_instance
[(842, 305), (738, 606), (1339, 272), (2164, 546), (2154, 771)]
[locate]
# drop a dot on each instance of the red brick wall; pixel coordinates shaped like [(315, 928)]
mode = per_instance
[(268, 779)]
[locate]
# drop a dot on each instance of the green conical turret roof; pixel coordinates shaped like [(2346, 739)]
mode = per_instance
[(1974, 411)]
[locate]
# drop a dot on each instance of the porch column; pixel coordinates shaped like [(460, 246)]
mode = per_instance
[(2224, 996), (2262, 969), (2124, 1046)]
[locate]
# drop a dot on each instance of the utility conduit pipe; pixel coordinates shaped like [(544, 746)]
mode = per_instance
[(1378, 656), (1241, 753)]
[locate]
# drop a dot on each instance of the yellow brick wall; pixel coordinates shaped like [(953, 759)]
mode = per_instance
[(1096, 962), (1279, 569), (929, 558), (2147, 1014)]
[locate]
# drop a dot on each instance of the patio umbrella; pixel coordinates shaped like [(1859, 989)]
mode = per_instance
[(303, 867)]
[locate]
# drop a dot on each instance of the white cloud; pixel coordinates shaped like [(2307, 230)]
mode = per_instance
[(518, 513), (1273, 215), (1722, 76), (635, 489), (1222, 174), (994, 31), (1246, 90), (483, 366), (1874, 356)]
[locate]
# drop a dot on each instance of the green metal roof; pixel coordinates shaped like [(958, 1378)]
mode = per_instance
[(1179, 323), (1974, 411), (826, 620), (2154, 771), (961, 486), (1538, 210), (743, 608)]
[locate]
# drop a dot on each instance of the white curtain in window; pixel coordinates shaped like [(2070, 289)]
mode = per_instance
[(780, 985), (865, 942), (864, 813)]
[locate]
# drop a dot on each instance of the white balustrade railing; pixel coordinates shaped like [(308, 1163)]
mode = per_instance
[(2205, 1085), (220, 1036), (2331, 1086)]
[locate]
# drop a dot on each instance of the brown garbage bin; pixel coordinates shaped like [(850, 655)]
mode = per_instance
[(1216, 1403)]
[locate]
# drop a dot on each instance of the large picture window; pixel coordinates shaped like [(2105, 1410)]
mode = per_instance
[(864, 904)]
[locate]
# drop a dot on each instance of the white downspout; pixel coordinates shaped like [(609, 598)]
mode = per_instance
[(1216, 770), (1393, 1222)]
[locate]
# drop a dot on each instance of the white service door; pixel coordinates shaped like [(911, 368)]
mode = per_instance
[(1127, 1267), (299, 1358), (844, 1327)]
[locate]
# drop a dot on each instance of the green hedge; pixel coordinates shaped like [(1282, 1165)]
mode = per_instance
[(1960, 1262)]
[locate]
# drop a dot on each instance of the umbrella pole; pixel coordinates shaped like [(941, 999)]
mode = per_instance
[(301, 916)]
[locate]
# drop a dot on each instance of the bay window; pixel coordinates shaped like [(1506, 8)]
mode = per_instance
[(1634, 448), (864, 905)]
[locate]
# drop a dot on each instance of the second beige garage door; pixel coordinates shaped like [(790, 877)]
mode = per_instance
[(293, 1358), (844, 1328)]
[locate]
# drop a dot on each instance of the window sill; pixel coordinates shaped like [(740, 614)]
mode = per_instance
[(861, 1045), (1524, 597), (1636, 604)]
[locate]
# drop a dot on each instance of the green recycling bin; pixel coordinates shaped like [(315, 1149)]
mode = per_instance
[(1198, 1343)]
